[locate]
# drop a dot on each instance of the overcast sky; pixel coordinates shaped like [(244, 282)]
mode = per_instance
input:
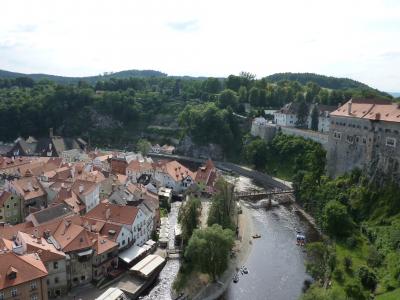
[(346, 38)]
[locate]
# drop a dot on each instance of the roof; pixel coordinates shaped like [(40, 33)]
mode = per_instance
[(147, 265), (4, 196), (114, 213), (102, 244), (72, 237), (51, 213), (177, 171), (46, 251), (27, 267), (111, 231), (139, 166), (203, 174), (29, 188), (370, 109), (290, 108), (87, 187), (131, 253), (112, 293), (8, 231)]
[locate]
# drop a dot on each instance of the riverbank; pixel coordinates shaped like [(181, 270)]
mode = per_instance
[(242, 249)]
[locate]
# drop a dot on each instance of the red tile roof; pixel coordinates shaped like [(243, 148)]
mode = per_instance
[(370, 109), (116, 213), (27, 267)]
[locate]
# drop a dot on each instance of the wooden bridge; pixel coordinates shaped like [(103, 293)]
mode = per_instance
[(258, 195)]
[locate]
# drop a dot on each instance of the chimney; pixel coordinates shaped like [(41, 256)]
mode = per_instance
[(81, 188), (349, 106), (108, 213), (36, 233), (51, 135)]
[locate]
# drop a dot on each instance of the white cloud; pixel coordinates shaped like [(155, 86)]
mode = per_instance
[(213, 38)]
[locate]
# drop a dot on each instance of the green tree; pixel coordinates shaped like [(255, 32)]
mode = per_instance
[(188, 217), (337, 221), (208, 250), (228, 98), (254, 97), (302, 115), (222, 206), (143, 146), (314, 118), (243, 94), (256, 153)]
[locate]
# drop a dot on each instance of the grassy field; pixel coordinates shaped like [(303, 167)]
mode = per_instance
[(394, 295)]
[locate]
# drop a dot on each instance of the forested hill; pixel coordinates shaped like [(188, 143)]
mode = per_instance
[(328, 82), (90, 79)]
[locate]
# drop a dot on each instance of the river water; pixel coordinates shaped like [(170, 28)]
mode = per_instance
[(275, 263), (162, 289)]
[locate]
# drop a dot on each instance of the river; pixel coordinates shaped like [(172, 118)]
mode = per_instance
[(162, 289), (275, 263)]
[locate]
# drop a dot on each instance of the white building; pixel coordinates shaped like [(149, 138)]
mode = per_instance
[(287, 115)]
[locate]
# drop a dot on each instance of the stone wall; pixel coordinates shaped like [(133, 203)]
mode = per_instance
[(267, 131), (318, 137), (372, 146)]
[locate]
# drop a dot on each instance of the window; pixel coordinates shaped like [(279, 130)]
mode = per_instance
[(33, 285), (14, 292), (2, 295), (357, 139), (34, 297), (390, 142), (15, 204), (337, 135), (55, 265), (350, 139), (364, 140), (56, 280)]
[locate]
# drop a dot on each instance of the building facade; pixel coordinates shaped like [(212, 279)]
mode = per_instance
[(365, 134)]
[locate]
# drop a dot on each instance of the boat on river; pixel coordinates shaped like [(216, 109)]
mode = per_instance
[(256, 236), (236, 278), (300, 239)]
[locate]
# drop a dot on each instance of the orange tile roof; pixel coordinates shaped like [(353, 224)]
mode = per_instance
[(370, 109), (27, 267), (8, 231), (29, 188), (46, 251), (72, 237), (137, 166), (88, 186), (177, 171), (105, 231), (118, 214), (102, 244), (203, 174)]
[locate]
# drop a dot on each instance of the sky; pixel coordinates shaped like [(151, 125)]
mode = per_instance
[(343, 38)]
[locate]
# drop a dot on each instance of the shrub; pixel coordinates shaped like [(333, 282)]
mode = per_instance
[(347, 262), (338, 275), (354, 291), (351, 242), (374, 258), (368, 278)]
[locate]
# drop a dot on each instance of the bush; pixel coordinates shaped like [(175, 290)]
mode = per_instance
[(351, 242), (347, 262), (338, 275), (368, 278), (354, 292), (374, 258)]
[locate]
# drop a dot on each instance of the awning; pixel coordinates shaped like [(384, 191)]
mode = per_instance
[(84, 253), (130, 254)]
